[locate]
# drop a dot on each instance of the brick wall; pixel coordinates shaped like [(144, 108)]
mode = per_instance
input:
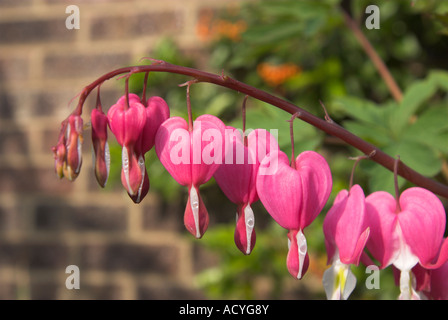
[(123, 250)]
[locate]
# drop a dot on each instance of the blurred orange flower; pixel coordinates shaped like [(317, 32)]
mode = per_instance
[(207, 28), (275, 75)]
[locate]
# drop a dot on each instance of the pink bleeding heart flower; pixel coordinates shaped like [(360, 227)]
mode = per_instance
[(294, 197), (157, 111), (192, 157), (346, 232), (127, 123), (100, 146), (237, 178), (407, 232)]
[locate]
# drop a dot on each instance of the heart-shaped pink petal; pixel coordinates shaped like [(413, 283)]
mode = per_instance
[(345, 226), (422, 220), (237, 175), (191, 157), (281, 192), (383, 240), (316, 184), (294, 197), (127, 123), (157, 111)]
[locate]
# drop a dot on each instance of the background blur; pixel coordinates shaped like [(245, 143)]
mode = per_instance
[(300, 50)]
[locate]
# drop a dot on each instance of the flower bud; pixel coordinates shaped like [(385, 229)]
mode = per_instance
[(73, 138), (100, 146)]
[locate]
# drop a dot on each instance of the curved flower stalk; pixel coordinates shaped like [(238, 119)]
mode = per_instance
[(346, 233), (407, 231), (294, 194), (236, 177)]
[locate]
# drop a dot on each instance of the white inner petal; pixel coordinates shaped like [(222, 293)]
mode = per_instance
[(405, 260), (338, 281), (141, 164), (249, 219), (194, 202), (125, 164), (107, 159), (79, 145), (302, 249)]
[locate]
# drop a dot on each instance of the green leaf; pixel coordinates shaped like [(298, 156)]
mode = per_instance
[(362, 110), (417, 156), (376, 135), (220, 103), (272, 32), (299, 9), (430, 129), (413, 98), (440, 79)]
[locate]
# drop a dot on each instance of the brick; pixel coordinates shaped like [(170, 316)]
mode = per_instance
[(10, 254), (43, 255), (163, 216), (35, 31), (10, 219), (72, 65), (14, 3), (44, 290), (130, 27), (13, 141), (85, 1), (35, 254), (59, 217), (13, 69), (8, 290), (30, 179), (130, 257), (90, 291), (6, 106), (167, 291)]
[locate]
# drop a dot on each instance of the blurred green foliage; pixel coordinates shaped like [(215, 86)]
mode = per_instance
[(270, 36)]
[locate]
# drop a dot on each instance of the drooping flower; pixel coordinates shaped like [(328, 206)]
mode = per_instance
[(237, 178), (135, 127), (294, 196), (407, 231), (127, 120), (346, 232), (192, 155)]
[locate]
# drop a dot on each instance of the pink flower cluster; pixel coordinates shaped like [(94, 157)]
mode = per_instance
[(406, 232)]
